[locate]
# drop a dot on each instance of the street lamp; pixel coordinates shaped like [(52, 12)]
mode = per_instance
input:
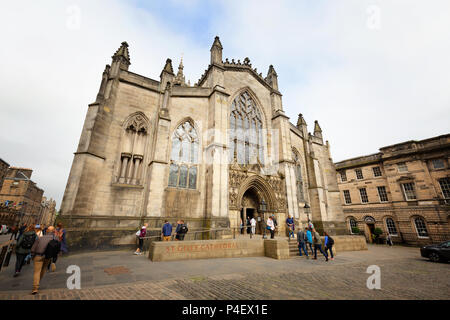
[(307, 207)]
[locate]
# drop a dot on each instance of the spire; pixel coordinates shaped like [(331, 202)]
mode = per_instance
[(168, 67), (272, 77), (317, 129), (216, 51), (167, 74), (301, 121), (122, 56), (179, 79)]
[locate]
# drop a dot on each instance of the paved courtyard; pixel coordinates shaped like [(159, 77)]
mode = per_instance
[(122, 275)]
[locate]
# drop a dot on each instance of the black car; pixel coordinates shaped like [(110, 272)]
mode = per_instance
[(437, 252)]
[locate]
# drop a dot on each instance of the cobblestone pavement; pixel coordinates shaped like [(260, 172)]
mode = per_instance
[(404, 275)]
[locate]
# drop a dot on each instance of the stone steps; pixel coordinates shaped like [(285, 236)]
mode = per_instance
[(293, 248)]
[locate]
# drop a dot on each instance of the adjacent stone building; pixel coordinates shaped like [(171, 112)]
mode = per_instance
[(48, 213), (3, 169), (212, 154), (20, 196), (403, 190)]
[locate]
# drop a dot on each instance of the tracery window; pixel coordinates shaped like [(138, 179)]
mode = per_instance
[(132, 150), (298, 178), (246, 133), (184, 157)]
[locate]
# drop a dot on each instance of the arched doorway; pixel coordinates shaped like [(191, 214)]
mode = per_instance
[(256, 198), (250, 206), (369, 228)]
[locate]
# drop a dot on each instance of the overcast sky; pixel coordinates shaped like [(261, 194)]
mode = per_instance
[(373, 73)]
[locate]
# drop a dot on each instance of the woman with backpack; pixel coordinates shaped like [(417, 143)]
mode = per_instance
[(329, 242), (23, 248), (60, 235)]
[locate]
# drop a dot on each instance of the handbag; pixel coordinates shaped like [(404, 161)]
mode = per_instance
[(138, 233)]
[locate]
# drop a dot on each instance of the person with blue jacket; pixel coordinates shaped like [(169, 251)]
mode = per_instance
[(166, 231), (329, 244), (309, 239)]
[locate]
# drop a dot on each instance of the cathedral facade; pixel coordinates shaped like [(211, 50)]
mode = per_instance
[(212, 154)]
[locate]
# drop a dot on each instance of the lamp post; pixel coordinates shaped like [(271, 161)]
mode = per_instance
[(307, 207)]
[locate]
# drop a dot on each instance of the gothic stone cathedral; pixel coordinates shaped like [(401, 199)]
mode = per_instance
[(211, 154)]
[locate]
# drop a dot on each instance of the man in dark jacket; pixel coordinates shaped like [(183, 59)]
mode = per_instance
[(318, 245), (23, 248), (38, 255), (181, 230), (166, 231), (301, 241)]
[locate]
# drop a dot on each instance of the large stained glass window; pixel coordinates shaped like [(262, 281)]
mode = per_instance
[(246, 131), (184, 157)]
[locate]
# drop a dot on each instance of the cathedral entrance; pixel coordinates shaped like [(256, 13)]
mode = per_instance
[(250, 203)]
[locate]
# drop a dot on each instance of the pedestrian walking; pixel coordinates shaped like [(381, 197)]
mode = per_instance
[(166, 231), (249, 226), (42, 252), (389, 240), (275, 224), (271, 227), (253, 226), (318, 245), (141, 235), (242, 227), (309, 239), (301, 242), (329, 242), (23, 248), (60, 234), (181, 230), (290, 226)]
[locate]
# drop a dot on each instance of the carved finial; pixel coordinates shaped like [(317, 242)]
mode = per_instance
[(232, 60), (216, 51), (179, 79), (272, 77), (122, 56), (246, 61), (226, 60), (317, 127), (239, 62), (301, 121), (168, 66)]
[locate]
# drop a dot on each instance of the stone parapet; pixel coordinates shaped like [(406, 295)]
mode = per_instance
[(205, 249)]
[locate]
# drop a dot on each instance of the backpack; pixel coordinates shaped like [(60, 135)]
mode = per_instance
[(184, 229), (330, 241), (28, 241), (52, 249)]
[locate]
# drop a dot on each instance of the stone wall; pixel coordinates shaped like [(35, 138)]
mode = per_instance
[(186, 250)]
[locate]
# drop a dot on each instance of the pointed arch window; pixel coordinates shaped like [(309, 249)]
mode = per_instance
[(246, 134), (298, 177), (184, 157), (132, 150)]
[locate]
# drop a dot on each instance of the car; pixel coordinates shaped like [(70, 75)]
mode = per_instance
[(437, 252)]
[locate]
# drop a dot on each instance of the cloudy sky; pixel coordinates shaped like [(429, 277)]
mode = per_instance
[(373, 72)]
